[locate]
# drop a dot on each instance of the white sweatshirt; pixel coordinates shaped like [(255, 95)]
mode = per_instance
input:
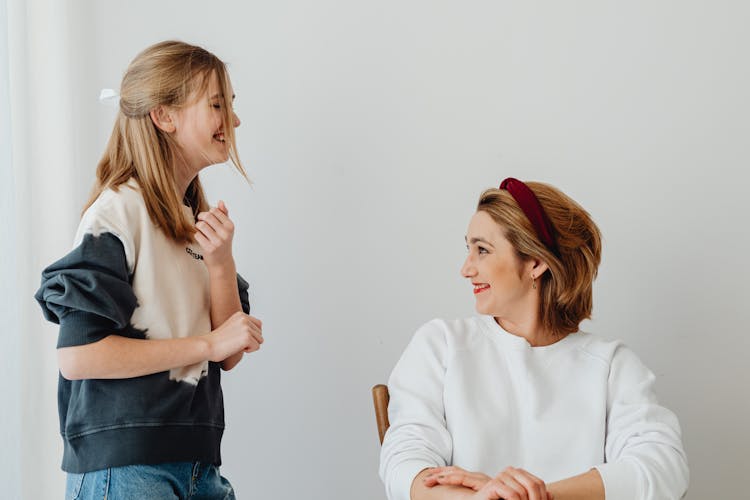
[(470, 394)]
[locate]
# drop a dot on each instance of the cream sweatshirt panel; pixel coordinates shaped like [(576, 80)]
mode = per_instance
[(171, 284)]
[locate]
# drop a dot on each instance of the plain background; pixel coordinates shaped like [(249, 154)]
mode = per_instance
[(369, 129)]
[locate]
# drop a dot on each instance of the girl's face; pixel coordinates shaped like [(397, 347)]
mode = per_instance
[(199, 128), (501, 280)]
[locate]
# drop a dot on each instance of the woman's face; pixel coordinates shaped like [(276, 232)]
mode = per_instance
[(199, 128), (499, 278)]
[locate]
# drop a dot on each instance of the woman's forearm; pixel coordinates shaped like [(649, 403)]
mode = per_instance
[(587, 486)]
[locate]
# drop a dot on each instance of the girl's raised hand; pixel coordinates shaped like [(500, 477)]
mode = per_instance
[(214, 233)]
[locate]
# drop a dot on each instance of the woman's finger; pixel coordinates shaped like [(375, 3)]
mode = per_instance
[(535, 487), (473, 480), (511, 482), (496, 489)]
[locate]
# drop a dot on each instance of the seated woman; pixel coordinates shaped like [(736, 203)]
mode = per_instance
[(517, 403)]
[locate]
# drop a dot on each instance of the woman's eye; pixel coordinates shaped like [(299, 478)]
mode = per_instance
[(216, 106), (480, 249)]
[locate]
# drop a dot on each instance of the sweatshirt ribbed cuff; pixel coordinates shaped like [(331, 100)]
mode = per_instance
[(620, 480), (403, 477), (80, 327)]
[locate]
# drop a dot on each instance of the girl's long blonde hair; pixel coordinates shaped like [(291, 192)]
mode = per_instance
[(168, 73)]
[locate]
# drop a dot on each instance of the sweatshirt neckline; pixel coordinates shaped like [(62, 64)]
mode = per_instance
[(134, 184), (497, 334)]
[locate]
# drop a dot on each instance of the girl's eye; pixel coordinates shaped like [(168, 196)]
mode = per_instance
[(216, 106)]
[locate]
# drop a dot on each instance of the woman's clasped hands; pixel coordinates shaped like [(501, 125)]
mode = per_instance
[(510, 484)]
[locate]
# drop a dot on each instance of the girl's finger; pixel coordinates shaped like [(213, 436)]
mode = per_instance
[(211, 219), (220, 216), (208, 232), (223, 207), (202, 240)]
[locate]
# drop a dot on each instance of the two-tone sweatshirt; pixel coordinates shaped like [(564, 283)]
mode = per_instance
[(125, 277)]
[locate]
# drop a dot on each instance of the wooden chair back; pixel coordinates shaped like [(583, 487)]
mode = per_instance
[(380, 398)]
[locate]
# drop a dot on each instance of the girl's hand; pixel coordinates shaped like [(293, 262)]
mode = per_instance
[(240, 333), (214, 232), (510, 484)]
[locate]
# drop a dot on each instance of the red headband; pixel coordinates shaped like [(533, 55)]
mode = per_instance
[(533, 210)]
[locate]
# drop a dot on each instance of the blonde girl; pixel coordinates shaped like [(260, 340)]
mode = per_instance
[(149, 302)]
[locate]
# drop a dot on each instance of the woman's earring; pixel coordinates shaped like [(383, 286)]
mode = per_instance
[(533, 282)]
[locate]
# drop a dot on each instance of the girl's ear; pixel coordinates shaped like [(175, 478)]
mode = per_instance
[(162, 118)]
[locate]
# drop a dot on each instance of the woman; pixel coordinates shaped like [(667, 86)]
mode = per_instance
[(517, 403)]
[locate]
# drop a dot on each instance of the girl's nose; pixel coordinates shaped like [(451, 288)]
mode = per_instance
[(236, 120)]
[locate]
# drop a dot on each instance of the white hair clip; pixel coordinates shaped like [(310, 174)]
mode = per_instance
[(111, 97)]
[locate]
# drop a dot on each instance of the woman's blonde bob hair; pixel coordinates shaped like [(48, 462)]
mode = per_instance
[(566, 289), (174, 74)]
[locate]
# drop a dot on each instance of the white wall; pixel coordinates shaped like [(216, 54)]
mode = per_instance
[(370, 128), (10, 389)]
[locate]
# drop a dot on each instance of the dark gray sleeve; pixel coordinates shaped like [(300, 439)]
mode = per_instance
[(243, 287), (88, 292)]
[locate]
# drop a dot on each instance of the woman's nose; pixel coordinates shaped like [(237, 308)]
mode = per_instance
[(236, 120), (468, 270)]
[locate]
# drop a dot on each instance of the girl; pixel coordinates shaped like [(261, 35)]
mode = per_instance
[(517, 403), (149, 302)]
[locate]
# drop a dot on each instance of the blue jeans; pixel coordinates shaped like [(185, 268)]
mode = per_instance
[(172, 481)]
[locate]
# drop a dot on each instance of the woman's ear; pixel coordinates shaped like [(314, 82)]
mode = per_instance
[(162, 118), (537, 267)]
